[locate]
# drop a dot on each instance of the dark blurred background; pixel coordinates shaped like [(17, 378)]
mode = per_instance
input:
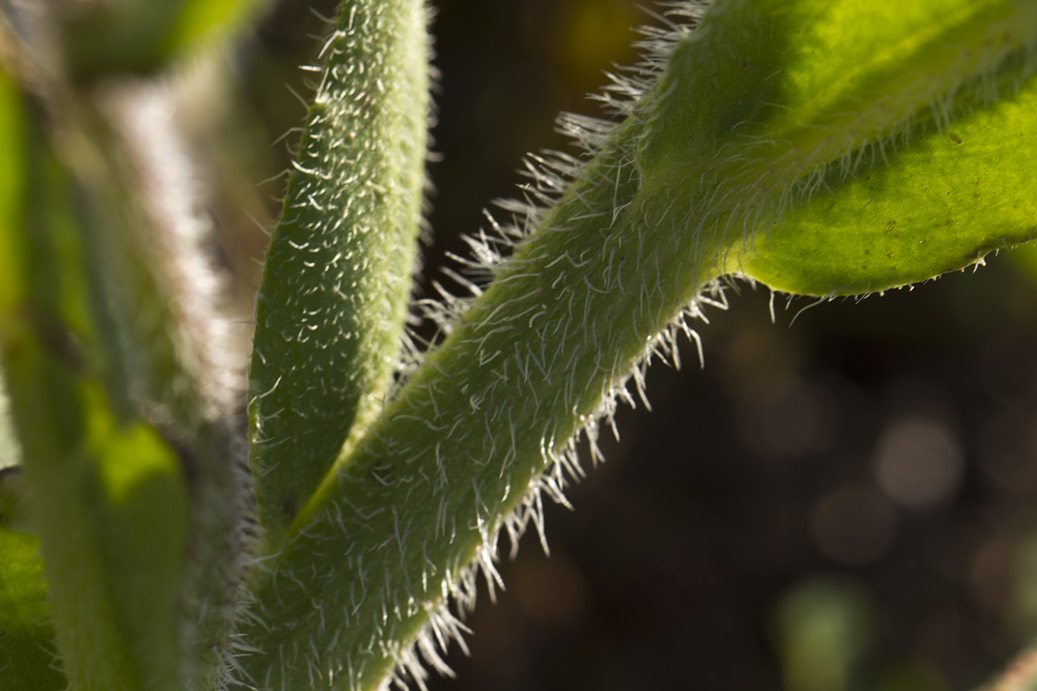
[(842, 499)]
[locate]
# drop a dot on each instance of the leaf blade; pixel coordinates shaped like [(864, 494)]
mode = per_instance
[(108, 496), (333, 300), (942, 204)]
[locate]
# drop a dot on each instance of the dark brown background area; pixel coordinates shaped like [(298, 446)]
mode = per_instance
[(842, 502)]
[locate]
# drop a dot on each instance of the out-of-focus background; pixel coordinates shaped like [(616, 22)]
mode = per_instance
[(843, 499)]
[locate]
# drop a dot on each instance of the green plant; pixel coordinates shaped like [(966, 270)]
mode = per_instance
[(737, 151)]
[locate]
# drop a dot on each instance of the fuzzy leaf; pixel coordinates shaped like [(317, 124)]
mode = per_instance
[(942, 206), (336, 284), (108, 496), (931, 194), (165, 343)]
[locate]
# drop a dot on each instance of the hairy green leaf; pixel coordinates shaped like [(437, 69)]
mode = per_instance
[(332, 304), (166, 344), (108, 496), (916, 197)]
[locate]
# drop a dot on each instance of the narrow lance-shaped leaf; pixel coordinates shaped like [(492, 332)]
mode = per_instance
[(336, 284), (173, 349), (108, 500), (148, 323), (754, 116)]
